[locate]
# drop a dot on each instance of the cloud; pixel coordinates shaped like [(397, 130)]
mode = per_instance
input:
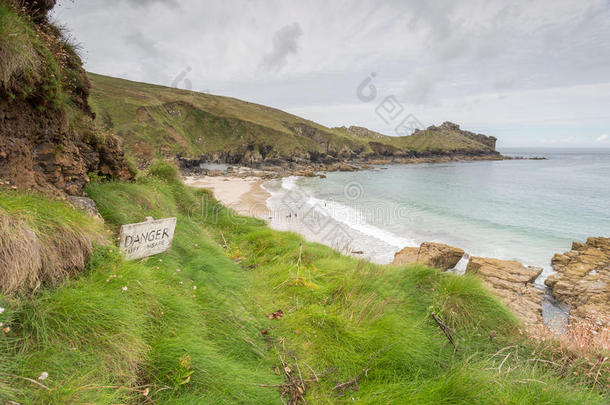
[(143, 43), (285, 42), (602, 138)]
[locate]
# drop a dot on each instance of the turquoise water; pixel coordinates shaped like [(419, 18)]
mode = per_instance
[(524, 210)]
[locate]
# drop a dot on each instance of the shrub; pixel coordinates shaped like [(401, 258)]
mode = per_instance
[(165, 171)]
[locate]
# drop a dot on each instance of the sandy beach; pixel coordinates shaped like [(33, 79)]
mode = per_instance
[(246, 196), (243, 195)]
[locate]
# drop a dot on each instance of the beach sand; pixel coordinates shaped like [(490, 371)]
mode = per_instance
[(243, 195)]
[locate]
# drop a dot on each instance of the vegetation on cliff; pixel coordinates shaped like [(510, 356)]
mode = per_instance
[(156, 121), (238, 313), (48, 139)]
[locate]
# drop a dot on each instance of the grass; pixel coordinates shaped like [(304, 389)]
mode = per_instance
[(18, 55), (38, 63), (42, 241), (156, 121), (216, 344)]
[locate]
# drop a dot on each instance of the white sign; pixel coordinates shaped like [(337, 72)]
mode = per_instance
[(147, 238)]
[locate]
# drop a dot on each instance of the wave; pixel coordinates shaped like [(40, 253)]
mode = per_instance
[(345, 215)]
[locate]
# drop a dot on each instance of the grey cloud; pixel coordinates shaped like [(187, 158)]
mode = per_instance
[(285, 42), (143, 43)]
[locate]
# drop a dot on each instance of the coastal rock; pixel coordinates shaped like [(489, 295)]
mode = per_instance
[(85, 204), (583, 278), (431, 254), (305, 173), (340, 167), (513, 283)]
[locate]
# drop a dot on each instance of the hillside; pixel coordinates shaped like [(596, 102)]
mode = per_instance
[(156, 121), (238, 313)]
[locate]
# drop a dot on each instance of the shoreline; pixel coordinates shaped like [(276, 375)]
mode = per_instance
[(247, 195), (285, 168)]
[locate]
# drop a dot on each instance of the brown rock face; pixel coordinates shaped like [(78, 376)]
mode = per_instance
[(41, 152), (513, 283), (431, 254), (583, 278)]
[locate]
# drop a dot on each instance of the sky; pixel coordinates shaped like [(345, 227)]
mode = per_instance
[(531, 73)]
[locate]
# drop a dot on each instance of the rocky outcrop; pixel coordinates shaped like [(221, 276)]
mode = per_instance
[(510, 281), (431, 254), (489, 141), (513, 283), (583, 278), (361, 131), (340, 167), (84, 204)]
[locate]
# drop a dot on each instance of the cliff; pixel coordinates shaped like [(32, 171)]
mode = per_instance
[(48, 137)]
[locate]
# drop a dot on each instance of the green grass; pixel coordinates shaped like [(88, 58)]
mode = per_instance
[(46, 216), (156, 121), (38, 63), (101, 344)]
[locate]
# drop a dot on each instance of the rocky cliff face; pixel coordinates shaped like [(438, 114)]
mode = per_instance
[(583, 278), (513, 283), (431, 254), (48, 140)]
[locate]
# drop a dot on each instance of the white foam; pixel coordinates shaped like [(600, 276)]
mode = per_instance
[(351, 217), (460, 267)]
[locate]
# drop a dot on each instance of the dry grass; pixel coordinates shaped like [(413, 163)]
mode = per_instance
[(582, 350), (587, 334), (35, 254), (581, 336)]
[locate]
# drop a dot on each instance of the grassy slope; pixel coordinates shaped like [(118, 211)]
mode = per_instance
[(39, 64), (150, 122), (90, 334)]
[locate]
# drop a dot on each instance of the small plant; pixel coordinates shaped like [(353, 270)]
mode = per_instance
[(94, 177), (182, 374)]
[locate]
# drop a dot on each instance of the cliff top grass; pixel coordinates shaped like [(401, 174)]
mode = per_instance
[(37, 61), (238, 313), (42, 242), (158, 121)]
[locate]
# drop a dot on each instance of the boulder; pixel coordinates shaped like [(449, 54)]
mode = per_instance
[(512, 282), (583, 278), (431, 254), (85, 204)]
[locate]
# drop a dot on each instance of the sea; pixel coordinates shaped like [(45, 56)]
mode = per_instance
[(523, 209)]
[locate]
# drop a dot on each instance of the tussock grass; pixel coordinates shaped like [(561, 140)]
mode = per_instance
[(17, 53), (42, 241), (344, 319)]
